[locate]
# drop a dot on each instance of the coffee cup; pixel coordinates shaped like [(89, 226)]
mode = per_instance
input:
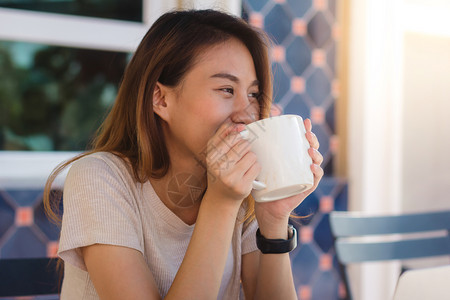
[(281, 148)]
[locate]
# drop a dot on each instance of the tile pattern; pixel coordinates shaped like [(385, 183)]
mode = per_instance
[(24, 229), (314, 263), (303, 60), (303, 54)]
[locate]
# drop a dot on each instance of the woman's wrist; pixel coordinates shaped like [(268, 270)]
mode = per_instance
[(274, 230), (220, 202), (272, 227)]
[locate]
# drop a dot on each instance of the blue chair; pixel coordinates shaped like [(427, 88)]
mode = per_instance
[(29, 277), (346, 226)]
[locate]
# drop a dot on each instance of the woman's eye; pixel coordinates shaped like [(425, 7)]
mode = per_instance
[(228, 90), (253, 95)]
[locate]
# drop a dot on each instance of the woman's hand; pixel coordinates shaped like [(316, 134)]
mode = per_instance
[(231, 166), (269, 214)]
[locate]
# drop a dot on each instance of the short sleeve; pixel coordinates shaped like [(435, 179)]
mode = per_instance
[(98, 208), (249, 237)]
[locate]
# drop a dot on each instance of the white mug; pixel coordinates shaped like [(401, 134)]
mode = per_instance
[(281, 148)]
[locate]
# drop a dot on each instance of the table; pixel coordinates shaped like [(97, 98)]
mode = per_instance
[(427, 283)]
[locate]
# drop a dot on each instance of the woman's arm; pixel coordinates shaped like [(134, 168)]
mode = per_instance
[(271, 273), (201, 271), (269, 276), (231, 171), (119, 272)]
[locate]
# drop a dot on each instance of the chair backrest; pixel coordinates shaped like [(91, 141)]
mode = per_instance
[(27, 277), (352, 224), (353, 231)]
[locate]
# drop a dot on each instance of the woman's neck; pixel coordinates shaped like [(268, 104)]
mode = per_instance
[(182, 189)]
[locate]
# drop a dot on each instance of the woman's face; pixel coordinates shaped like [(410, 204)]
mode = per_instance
[(222, 85)]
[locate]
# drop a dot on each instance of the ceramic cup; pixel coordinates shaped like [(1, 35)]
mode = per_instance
[(281, 147)]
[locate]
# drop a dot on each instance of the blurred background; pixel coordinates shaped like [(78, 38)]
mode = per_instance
[(373, 76)]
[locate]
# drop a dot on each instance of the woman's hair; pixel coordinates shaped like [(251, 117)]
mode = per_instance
[(167, 52)]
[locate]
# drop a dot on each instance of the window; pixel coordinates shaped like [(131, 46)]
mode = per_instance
[(129, 10), (54, 98)]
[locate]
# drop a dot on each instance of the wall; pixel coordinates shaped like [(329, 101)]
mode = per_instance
[(304, 54), (426, 125)]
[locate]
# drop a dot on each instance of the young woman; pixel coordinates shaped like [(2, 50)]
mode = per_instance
[(161, 207)]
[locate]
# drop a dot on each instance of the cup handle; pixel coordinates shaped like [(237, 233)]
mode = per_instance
[(257, 185)]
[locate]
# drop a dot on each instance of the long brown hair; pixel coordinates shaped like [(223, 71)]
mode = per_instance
[(166, 53)]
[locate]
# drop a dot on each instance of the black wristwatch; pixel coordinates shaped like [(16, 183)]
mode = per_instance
[(277, 246)]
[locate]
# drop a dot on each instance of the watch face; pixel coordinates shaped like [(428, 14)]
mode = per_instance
[(290, 231)]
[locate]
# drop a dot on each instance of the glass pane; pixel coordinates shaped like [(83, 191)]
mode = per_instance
[(54, 98), (130, 10)]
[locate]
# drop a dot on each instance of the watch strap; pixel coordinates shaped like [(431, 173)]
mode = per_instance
[(277, 246)]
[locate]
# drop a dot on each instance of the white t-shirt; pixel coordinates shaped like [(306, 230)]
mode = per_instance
[(103, 204)]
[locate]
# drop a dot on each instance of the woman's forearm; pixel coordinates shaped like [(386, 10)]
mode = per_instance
[(201, 271), (274, 280)]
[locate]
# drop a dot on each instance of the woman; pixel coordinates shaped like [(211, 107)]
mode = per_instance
[(161, 207)]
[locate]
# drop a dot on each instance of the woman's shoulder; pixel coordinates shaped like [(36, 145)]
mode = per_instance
[(101, 162), (101, 172)]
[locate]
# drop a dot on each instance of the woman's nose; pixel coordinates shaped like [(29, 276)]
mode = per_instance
[(245, 111)]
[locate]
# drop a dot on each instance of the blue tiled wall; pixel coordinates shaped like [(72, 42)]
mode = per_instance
[(24, 229), (305, 35)]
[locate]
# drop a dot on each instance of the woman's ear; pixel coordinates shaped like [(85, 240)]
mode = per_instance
[(160, 95)]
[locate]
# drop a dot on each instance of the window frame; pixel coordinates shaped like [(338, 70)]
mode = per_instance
[(30, 169)]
